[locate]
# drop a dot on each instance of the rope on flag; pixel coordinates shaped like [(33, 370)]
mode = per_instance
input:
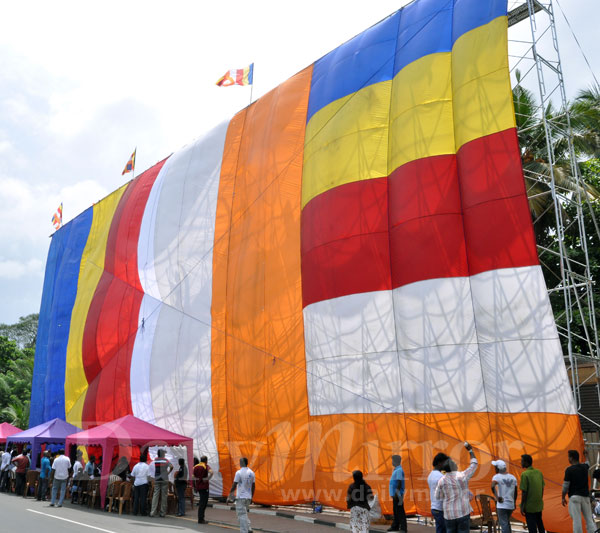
[(237, 76), (57, 217), (130, 166)]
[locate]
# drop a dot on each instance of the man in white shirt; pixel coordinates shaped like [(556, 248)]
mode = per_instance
[(437, 506), (504, 488), (140, 485), (4, 468), (60, 476), (245, 483)]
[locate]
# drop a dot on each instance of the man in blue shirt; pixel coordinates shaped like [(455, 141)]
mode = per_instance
[(44, 477), (397, 495)]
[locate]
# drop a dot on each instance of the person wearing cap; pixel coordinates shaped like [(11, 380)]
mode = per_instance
[(576, 485), (504, 488), (397, 495), (437, 506), (532, 495), (453, 490)]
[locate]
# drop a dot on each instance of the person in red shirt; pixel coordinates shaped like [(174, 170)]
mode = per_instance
[(202, 475), (22, 462)]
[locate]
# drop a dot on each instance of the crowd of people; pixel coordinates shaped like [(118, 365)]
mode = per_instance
[(57, 471), (448, 488), (451, 498)]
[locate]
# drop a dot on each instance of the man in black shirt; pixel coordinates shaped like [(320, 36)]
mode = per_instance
[(576, 485)]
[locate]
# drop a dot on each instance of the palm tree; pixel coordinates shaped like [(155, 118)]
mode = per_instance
[(585, 120), (535, 158), (17, 413), (15, 389)]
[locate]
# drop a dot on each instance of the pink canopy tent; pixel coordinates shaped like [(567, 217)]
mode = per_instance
[(126, 431), (6, 430)]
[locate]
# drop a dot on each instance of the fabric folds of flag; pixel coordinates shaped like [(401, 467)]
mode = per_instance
[(57, 217), (354, 251), (237, 76), (130, 166)]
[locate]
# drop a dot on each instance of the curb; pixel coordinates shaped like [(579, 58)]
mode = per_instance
[(290, 516)]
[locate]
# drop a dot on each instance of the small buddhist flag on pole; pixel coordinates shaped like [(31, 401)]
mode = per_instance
[(57, 217), (237, 76), (130, 166)]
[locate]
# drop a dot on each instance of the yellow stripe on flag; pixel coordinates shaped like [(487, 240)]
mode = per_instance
[(90, 270)]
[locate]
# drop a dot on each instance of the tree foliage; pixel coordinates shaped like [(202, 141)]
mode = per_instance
[(24, 332), (536, 155), (16, 375), (536, 158)]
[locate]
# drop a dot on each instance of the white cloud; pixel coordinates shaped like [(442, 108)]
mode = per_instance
[(11, 270), (83, 83)]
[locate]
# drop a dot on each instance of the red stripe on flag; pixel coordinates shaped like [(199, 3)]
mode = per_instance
[(430, 247), (426, 233), (239, 76), (353, 265), (112, 320), (448, 216), (345, 245), (348, 210), (498, 227)]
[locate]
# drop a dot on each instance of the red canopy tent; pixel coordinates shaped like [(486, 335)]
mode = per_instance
[(127, 431), (6, 430)]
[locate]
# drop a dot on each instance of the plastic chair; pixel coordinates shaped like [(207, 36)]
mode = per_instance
[(171, 499), (93, 492), (124, 497), (150, 492), (189, 493), (115, 492), (487, 516), (31, 481), (82, 487)]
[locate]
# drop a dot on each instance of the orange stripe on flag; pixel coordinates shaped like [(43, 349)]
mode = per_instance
[(342, 443), (258, 363)]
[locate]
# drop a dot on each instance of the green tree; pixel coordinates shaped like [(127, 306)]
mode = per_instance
[(24, 332), (17, 414), (591, 174), (585, 120), (8, 352), (584, 114), (16, 375), (536, 158)]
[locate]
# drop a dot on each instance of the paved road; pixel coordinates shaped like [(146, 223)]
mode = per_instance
[(18, 515)]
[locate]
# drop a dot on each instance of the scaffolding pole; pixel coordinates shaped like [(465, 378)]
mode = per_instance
[(534, 52)]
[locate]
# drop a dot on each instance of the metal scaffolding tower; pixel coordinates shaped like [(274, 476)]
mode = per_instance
[(536, 65)]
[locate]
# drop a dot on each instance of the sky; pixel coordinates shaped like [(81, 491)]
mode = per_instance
[(84, 83)]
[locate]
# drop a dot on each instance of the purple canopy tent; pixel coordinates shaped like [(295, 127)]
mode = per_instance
[(51, 432)]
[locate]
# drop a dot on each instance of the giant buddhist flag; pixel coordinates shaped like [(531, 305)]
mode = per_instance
[(344, 270)]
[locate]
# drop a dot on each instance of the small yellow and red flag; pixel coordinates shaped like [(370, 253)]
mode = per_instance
[(237, 76), (130, 166), (57, 217)]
